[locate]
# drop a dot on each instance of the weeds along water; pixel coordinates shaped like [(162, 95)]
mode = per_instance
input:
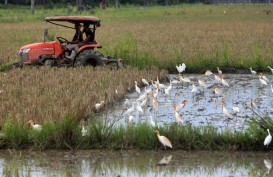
[(66, 134)]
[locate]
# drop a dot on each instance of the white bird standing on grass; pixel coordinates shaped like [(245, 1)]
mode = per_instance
[(219, 71), (145, 82), (34, 126), (163, 140), (98, 106), (83, 130), (268, 139)]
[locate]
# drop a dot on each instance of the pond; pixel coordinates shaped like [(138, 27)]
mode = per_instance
[(203, 107), (134, 163)]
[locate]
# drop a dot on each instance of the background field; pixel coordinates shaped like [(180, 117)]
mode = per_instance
[(202, 36)]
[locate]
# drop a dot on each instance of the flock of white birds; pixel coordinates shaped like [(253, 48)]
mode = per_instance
[(147, 99)]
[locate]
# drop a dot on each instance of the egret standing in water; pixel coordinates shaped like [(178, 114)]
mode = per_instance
[(163, 140), (268, 139), (137, 88)]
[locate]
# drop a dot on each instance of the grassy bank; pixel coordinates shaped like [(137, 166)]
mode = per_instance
[(66, 134), (201, 36)]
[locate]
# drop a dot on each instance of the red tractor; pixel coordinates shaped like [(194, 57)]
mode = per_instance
[(53, 53)]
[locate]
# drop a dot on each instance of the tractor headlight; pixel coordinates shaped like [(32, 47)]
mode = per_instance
[(24, 51)]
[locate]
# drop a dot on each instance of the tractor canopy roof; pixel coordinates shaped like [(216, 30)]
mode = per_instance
[(74, 19)]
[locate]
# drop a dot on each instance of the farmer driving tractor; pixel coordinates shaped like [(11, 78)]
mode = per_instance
[(74, 44), (57, 53), (78, 39)]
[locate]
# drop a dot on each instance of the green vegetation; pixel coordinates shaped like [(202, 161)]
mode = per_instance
[(66, 134)]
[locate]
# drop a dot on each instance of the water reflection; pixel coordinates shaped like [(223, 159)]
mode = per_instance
[(134, 163)]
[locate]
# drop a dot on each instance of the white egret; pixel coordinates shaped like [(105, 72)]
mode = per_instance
[(252, 104), (236, 109), (194, 88), (208, 73), (139, 108), (202, 83), (268, 139), (219, 71), (263, 82), (175, 81), (130, 110), (130, 119), (152, 121), (271, 88), (181, 68), (34, 126), (270, 69), (126, 103), (264, 77), (223, 81), (155, 92), (252, 71), (217, 91), (98, 106), (178, 107), (83, 130), (184, 79), (142, 97), (225, 111), (167, 89), (145, 82), (217, 78), (178, 117), (137, 88), (144, 102), (163, 140)]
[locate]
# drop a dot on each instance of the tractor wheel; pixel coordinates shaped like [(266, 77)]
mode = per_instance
[(88, 58), (48, 63)]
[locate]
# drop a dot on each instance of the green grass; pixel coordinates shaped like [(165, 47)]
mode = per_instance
[(66, 134)]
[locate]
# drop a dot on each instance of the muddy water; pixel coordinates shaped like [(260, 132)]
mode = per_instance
[(203, 107), (134, 163)]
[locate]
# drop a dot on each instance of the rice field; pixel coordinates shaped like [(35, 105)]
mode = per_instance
[(199, 35), (151, 41)]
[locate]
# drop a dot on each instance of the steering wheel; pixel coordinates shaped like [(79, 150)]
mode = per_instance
[(62, 40)]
